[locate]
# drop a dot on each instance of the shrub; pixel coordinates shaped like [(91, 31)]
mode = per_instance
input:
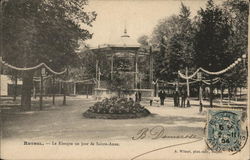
[(117, 105)]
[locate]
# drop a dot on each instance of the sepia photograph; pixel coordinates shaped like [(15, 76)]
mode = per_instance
[(124, 80)]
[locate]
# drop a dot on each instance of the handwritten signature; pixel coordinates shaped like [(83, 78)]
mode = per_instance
[(158, 132), (161, 132)]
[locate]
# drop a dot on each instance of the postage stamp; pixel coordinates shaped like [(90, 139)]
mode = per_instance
[(226, 131)]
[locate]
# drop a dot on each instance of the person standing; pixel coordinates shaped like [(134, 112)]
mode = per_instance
[(139, 95), (176, 99), (183, 98), (162, 96)]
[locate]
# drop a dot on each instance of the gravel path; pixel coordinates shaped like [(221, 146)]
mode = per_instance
[(67, 122)]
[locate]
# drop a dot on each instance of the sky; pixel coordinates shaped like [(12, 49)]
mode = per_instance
[(139, 16)]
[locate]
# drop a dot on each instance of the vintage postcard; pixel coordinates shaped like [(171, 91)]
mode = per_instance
[(124, 79)]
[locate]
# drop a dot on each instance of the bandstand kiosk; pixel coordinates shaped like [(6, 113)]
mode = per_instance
[(130, 53)]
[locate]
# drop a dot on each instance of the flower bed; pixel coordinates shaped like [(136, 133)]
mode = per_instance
[(116, 108)]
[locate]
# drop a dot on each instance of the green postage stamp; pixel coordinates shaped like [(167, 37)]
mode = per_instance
[(226, 130)]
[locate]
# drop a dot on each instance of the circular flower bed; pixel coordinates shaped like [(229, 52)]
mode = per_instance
[(116, 108)]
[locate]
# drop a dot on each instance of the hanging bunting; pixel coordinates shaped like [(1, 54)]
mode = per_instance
[(32, 68)]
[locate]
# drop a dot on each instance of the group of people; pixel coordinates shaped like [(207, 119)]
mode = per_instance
[(179, 98)]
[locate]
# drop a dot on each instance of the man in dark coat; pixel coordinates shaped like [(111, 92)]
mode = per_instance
[(176, 98), (139, 96), (162, 96), (183, 98)]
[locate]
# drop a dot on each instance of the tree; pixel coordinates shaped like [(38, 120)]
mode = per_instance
[(42, 31), (143, 40), (161, 36), (85, 67), (237, 12), (121, 82), (211, 38), (180, 47), (175, 38)]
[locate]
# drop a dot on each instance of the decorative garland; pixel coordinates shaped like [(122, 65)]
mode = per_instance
[(180, 83), (189, 77), (215, 80), (22, 69), (212, 73), (54, 72), (79, 81), (32, 68), (206, 81)]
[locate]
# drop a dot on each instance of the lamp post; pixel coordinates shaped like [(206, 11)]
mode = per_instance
[(199, 77), (188, 92), (65, 87), (177, 89), (211, 88), (43, 72), (53, 85)]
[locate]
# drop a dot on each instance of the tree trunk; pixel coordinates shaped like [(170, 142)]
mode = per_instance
[(26, 90), (200, 97), (64, 93)]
